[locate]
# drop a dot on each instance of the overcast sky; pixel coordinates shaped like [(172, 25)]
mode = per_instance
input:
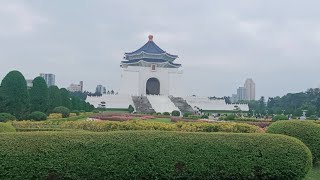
[(219, 43)]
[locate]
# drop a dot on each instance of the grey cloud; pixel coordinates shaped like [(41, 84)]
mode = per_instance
[(220, 43)]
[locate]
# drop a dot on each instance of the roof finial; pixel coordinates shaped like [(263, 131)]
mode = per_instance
[(150, 37)]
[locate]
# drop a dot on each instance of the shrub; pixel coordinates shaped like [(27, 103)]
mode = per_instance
[(307, 132), (152, 155), (55, 116), (4, 117), (76, 112), (6, 127), (175, 113), (72, 115), (166, 113), (62, 110), (147, 125), (280, 117), (186, 114), (96, 111), (131, 109), (231, 117), (37, 116), (204, 117), (194, 117), (313, 117)]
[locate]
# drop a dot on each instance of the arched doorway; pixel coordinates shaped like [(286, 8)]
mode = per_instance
[(153, 86)]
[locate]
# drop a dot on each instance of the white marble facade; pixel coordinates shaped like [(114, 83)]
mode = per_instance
[(134, 79)]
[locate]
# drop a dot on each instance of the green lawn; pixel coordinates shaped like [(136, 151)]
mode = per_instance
[(314, 174)]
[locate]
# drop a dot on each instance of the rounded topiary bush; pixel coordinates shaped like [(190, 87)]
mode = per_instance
[(6, 127), (62, 110), (37, 116), (307, 132), (175, 113), (166, 114), (152, 155), (4, 117)]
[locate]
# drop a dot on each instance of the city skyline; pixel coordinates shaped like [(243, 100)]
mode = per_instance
[(225, 44)]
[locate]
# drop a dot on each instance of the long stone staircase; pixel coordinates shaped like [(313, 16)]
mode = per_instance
[(162, 104), (142, 104), (181, 104)]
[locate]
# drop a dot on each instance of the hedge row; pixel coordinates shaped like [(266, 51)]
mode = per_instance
[(147, 125), (152, 155), (6, 127), (307, 132)]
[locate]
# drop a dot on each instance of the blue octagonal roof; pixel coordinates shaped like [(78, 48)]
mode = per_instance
[(150, 50)]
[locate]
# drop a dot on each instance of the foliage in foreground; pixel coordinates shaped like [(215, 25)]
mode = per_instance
[(152, 155), (307, 132), (6, 127)]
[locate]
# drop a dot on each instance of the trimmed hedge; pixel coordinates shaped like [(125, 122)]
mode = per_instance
[(307, 132), (152, 155), (6, 127), (146, 125), (4, 117)]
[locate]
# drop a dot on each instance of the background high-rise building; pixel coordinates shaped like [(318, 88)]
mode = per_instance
[(76, 87), (250, 87), (101, 89), (49, 78), (242, 93), (29, 83), (245, 93)]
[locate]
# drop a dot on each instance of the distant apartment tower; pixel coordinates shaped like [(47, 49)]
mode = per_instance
[(250, 87), (101, 89), (29, 83), (76, 87), (242, 94), (49, 78)]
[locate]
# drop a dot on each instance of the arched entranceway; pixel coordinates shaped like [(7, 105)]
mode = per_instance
[(153, 86)]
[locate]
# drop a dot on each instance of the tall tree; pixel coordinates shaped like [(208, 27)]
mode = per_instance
[(54, 97), (76, 103), (15, 94), (65, 98), (39, 96)]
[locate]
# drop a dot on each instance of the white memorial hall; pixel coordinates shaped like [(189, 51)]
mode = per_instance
[(150, 82)]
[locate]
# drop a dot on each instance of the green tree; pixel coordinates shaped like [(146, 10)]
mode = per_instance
[(54, 97), (15, 97), (65, 98), (39, 97), (75, 103)]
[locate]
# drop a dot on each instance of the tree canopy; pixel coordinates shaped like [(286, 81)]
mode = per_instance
[(39, 97), (15, 96)]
